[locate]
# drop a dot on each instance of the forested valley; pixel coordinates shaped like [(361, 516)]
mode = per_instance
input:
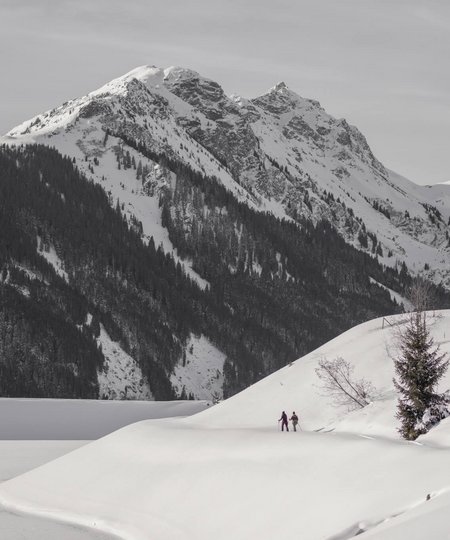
[(277, 288)]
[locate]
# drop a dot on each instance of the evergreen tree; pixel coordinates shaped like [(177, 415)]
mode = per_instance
[(139, 170), (419, 368)]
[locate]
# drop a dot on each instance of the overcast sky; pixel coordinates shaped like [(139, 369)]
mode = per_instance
[(382, 64)]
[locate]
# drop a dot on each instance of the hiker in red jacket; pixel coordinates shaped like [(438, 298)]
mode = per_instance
[(284, 421)]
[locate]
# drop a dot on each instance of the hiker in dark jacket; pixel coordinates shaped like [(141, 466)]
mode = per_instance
[(284, 421), (294, 420)]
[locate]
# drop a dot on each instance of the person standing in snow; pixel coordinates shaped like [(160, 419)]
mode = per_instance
[(284, 421), (294, 420)]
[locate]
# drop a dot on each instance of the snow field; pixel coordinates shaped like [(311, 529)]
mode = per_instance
[(163, 479), (228, 471), (23, 418), (16, 526)]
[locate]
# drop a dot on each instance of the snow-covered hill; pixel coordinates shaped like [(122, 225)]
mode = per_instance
[(36, 431), (370, 348), (278, 152), (228, 471)]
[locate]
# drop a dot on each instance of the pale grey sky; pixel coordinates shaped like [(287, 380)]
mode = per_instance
[(382, 64)]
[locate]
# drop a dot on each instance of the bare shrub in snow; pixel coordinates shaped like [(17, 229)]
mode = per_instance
[(422, 295), (338, 383)]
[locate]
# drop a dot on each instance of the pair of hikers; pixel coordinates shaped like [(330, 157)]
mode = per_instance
[(284, 421)]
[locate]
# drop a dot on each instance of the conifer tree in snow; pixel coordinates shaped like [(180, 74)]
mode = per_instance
[(139, 170), (419, 368)]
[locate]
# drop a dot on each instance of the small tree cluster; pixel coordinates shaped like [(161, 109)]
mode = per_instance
[(338, 383)]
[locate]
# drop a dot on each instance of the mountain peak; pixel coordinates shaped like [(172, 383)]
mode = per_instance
[(152, 76), (142, 72), (280, 87), (177, 73), (147, 74)]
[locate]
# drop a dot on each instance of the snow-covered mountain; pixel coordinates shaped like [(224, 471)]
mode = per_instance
[(228, 471), (91, 307), (278, 152), (239, 194)]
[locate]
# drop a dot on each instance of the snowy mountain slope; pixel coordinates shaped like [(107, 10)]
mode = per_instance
[(401, 300), (229, 472), (275, 290), (369, 348), (50, 255), (121, 377), (333, 157), (200, 374), (278, 152)]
